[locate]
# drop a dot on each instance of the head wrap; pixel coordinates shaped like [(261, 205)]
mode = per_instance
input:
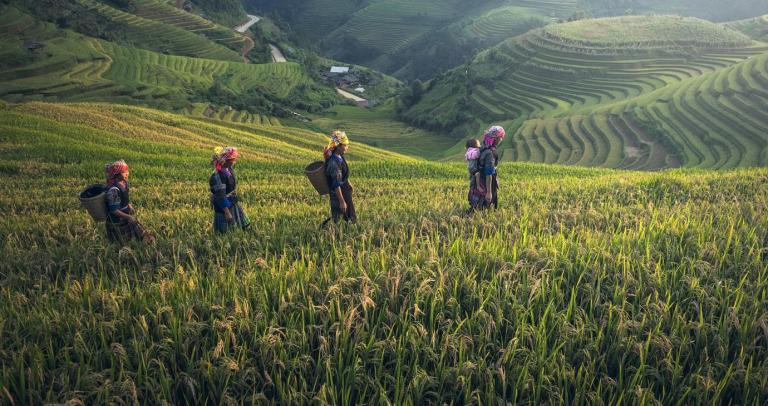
[(494, 135), (114, 169), (222, 155), (337, 138)]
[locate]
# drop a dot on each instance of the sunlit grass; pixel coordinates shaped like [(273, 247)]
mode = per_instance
[(587, 286)]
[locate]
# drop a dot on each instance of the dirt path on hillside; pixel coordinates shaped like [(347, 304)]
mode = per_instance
[(247, 47), (349, 95), (253, 20), (277, 55)]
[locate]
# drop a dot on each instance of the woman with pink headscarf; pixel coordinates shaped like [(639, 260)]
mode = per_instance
[(227, 212), (122, 225), (488, 162)]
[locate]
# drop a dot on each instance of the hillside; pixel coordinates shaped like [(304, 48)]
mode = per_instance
[(588, 285), (707, 9), (756, 28), (576, 68), (716, 120), (75, 67), (412, 39)]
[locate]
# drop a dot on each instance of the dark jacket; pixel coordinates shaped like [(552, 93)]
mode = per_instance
[(336, 172), (223, 194)]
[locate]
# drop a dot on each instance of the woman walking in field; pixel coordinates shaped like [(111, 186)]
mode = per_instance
[(122, 225), (488, 162), (228, 215), (337, 174)]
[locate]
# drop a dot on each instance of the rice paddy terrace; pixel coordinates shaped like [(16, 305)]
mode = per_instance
[(573, 69), (75, 67), (586, 286), (163, 28), (717, 120)]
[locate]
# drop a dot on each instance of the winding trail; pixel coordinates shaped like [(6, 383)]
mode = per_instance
[(349, 95), (277, 55), (253, 20)]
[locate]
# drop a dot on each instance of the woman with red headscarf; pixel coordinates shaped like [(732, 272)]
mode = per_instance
[(228, 215), (122, 225), (489, 160)]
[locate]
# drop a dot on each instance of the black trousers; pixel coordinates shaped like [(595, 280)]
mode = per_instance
[(336, 212)]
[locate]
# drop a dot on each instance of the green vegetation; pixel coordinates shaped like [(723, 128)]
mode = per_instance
[(546, 85), (756, 28), (716, 120), (161, 35), (75, 67), (412, 39), (227, 12), (645, 32), (587, 286), (379, 128)]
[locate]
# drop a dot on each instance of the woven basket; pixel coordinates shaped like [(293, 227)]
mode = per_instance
[(93, 199), (316, 174)]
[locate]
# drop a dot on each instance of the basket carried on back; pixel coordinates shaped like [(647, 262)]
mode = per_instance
[(93, 199), (316, 174)]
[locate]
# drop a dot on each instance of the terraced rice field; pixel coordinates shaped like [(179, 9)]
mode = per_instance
[(231, 115), (387, 25), (317, 18), (168, 14), (544, 74), (717, 120), (587, 286), (161, 35), (81, 69), (501, 23), (168, 72), (590, 93)]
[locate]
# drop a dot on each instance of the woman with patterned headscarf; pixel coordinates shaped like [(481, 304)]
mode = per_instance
[(337, 174), (121, 224), (489, 160), (228, 214)]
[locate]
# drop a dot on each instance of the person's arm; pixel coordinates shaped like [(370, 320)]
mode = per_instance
[(488, 171), (113, 205), (478, 181), (342, 203), (220, 200), (334, 173)]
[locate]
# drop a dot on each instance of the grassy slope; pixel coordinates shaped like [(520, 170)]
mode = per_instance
[(575, 68), (379, 127), (756, 28), (588, 285)]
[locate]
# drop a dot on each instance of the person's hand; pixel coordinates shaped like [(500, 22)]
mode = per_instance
[(488, 196), (229, 218), (343, 206)]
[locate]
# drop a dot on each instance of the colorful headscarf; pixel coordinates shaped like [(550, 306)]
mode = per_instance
[(222, 155), (494, 135), (114, 169), (337, 138)]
